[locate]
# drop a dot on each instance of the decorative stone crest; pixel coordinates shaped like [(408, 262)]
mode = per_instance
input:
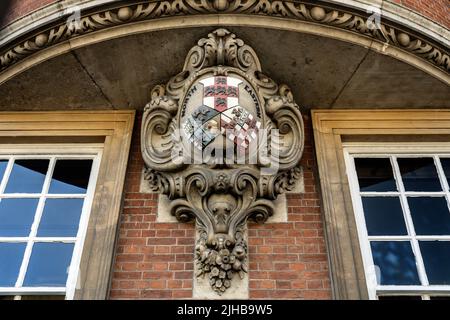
[(222, 141)]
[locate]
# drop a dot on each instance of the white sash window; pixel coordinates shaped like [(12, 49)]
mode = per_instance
[(401, 199), (46, 192)]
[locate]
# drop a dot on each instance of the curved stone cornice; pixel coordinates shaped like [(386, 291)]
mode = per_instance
[(317, 13)]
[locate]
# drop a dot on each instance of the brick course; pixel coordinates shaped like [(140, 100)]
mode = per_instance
[(155, 260)]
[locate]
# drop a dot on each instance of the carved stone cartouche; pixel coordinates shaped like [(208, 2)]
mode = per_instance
[(222, 110)]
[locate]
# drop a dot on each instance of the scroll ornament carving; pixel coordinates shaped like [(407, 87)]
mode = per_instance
[(221, 102), (297, 10)]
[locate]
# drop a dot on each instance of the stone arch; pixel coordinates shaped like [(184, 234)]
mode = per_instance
[(420, 45)]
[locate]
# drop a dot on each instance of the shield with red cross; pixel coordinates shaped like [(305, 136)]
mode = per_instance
[(220, 93), (220, 113)]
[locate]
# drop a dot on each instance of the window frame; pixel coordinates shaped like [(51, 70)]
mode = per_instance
[(392, 151), (110, 129), (53, 152), (331, 129)]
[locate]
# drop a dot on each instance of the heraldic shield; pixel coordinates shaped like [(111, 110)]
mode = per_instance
[(223, 105)]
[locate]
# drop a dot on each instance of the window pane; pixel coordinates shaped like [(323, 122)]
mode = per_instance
[(419, 174), (11, 255), (445, 162), (396, 262), (16, 217), (436, 257), (49, 264), (3, 165), (430, 215), (61, 217), (375, 174), (71, 176), (384, 216), (27, 176)]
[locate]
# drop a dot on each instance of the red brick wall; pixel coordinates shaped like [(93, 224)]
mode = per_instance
[(289, 260), (436, 10), (19, 8), (155, 260)]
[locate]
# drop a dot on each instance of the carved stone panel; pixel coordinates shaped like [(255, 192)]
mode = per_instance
[(222, 141)]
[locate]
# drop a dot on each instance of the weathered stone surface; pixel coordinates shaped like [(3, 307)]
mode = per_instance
[(59, 84), (122, 71), (380, 82)]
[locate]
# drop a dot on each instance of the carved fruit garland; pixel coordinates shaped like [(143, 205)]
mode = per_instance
[(222, 265)]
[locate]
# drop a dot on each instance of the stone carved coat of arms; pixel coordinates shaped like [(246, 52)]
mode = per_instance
[(222, 140)]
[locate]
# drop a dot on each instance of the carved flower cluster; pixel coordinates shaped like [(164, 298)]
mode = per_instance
[(222, 264)]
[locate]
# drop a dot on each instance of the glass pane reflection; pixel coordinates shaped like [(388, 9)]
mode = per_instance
[(436, 257), (375, 174), (419, 174), (3, 165), (16, 216), (60, 218), (430, 215), (27, 176), (71, 176), (49, 264), (384, 216), (445, 162), (396, 262), (11, 255)]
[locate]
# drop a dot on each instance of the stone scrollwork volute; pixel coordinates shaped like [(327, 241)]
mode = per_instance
[(222, 141)]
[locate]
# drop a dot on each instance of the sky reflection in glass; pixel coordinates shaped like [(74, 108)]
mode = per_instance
[(27, 176), (11, 255), (49, 265), (419, 174), (3, 165), (60, 218), (430, 215), (384, 216), (436, 257), (70, 176), (17, 216), (396, 262), (375, 174)]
